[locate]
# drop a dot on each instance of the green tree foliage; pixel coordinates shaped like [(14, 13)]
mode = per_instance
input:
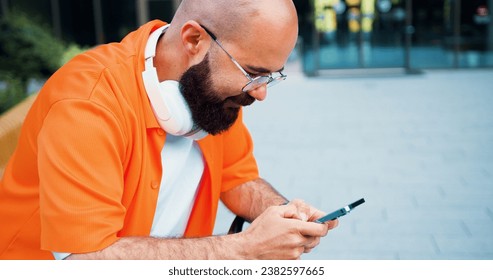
[(28, 50), (11, 93)]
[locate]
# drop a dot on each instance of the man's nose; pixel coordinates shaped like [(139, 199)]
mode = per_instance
[(259, 93)]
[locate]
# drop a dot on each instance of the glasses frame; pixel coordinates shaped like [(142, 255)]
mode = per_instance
[(255, 82)]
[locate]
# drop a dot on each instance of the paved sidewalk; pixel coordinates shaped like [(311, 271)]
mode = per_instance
[(418, 148)]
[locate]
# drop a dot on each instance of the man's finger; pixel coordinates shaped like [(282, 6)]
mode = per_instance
[(311, 229)]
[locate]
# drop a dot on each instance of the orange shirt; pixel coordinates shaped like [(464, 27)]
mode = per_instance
[(87, 168)]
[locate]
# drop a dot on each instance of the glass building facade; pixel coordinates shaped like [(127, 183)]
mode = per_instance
[(334, 34), (395, 34)]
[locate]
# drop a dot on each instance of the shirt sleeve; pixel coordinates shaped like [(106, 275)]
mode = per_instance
[(80, 152), (239, 164)]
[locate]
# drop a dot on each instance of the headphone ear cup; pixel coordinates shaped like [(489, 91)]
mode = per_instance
[(153, 90), (180, 117), (167, 102)]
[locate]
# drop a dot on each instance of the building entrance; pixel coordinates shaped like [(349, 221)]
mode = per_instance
[(397, 34)]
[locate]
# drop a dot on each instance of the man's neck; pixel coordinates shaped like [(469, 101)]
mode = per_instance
[(168, 60)]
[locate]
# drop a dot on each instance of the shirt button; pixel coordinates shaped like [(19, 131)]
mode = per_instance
[(160, 131), (154, 185)]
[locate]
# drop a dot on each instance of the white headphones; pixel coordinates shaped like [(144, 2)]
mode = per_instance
[(167, 102)]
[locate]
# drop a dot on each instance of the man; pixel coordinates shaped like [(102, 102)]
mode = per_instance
[(112, 162)]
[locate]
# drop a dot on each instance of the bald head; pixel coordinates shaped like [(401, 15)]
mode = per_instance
[(234, 20), (257, 33)]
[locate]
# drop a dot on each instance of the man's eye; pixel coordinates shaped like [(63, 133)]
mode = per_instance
[(252, 75)]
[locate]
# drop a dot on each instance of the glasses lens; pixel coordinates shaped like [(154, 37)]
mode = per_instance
[(263, 80), (256, 83), (276, 80)]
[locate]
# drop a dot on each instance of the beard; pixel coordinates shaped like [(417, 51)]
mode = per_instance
[(209, 111)]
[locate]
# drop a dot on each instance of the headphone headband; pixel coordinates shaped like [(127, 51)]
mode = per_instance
[(150, 50)]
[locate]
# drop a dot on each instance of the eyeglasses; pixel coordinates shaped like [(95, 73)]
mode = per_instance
[(255, 82)]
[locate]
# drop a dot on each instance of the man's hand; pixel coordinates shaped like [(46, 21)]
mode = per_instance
[(289, 230), (285, 232), (311, 214)]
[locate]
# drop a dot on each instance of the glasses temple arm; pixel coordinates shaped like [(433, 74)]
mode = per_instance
[(232, 59), (221, 46)]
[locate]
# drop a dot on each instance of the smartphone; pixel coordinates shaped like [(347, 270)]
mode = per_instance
[(341, 212)]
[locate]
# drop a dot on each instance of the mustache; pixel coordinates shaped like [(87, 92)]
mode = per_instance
[(243, 99)]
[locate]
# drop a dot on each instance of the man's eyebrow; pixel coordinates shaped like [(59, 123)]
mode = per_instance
[(257, 69)]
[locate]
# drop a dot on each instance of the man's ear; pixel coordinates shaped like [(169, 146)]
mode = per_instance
[(195, 40)]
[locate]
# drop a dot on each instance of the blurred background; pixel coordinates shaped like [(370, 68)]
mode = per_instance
[(390, 100), (336, 36)]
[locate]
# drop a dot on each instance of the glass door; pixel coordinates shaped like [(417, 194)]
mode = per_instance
[(360, 33), (476, 34), (336, 33), (384, 34), (433, 42)]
